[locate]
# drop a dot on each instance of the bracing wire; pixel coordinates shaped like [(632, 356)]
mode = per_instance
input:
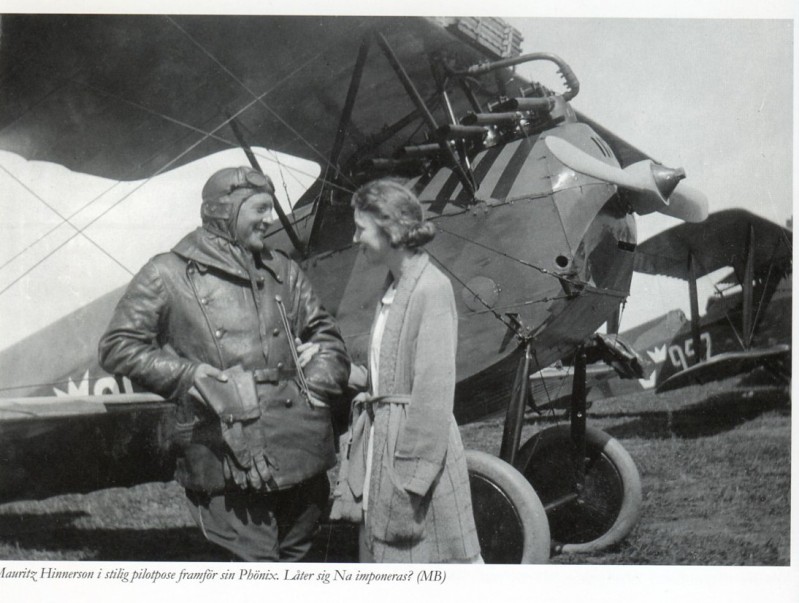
[(511, 257), (65, 220), (162, 169), (510, 325), (259, 98), (205, 135)]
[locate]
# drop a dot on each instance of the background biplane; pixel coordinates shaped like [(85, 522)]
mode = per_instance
[(109, 126), (746, 326), (747, 323)]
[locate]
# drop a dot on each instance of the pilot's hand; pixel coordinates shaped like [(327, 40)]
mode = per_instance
[(206, 370), (305, 351)]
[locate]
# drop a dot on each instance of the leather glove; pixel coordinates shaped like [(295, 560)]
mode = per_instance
[(233, 473), (235, 402), (246, 464), (259, 475)]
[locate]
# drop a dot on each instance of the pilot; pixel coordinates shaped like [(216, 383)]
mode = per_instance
[(232, 331)]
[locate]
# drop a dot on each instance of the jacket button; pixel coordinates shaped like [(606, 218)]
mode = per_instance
[(218, 333), (276, 332), (204, 301), (280, 365), (288, 402)]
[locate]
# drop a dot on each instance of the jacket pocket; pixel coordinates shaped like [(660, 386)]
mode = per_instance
[(400, 516), (298, 437), (406, 513)]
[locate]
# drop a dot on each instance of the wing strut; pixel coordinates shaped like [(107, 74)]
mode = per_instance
[(748, 278), (698, 353), (613, 322), (456, 165), (460, 143), (346, 113), (284, 221), (341, 131), (514, 417)]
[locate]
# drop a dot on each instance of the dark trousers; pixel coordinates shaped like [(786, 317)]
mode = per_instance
[(269, 526)]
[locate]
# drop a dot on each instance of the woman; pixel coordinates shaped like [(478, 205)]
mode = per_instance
[(406, 465)]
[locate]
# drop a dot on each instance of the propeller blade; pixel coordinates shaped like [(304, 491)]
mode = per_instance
[(580, 161), (688, 204), (652, 185)]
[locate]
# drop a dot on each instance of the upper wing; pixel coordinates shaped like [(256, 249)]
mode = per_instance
[(126, 97), (717, 242), (626, 153)]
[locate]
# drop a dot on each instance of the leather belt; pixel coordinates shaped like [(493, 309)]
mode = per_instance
[(273, 375)]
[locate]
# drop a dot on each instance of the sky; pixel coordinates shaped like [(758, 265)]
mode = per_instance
[(713, 96)]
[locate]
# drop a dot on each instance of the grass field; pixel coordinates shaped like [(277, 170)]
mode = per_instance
[(714, 465)]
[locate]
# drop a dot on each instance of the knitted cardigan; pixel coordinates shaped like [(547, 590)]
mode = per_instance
[(420, 506)]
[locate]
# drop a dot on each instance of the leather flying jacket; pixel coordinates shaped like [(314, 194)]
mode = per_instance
[(208, 301)]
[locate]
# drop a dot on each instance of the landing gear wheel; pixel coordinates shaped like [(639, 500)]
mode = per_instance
[(611, 500), (512, 525)]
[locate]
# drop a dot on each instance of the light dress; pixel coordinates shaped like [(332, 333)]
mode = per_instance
[(374, 371)]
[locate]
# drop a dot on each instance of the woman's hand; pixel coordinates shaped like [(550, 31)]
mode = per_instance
[(361, 397), (316, 402), (359, 377)]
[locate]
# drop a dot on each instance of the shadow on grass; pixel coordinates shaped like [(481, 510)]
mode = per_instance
[(717, 413), (56, 532)]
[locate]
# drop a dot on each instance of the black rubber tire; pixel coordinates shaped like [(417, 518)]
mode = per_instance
[(612, 497), (512, 525)]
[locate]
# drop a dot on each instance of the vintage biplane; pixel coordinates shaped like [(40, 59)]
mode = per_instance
[(109, 125), (747, 322)]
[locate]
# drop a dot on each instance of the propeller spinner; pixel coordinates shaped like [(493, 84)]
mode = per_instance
[(654, 186)]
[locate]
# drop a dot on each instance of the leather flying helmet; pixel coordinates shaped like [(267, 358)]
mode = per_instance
[(225, 192)]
